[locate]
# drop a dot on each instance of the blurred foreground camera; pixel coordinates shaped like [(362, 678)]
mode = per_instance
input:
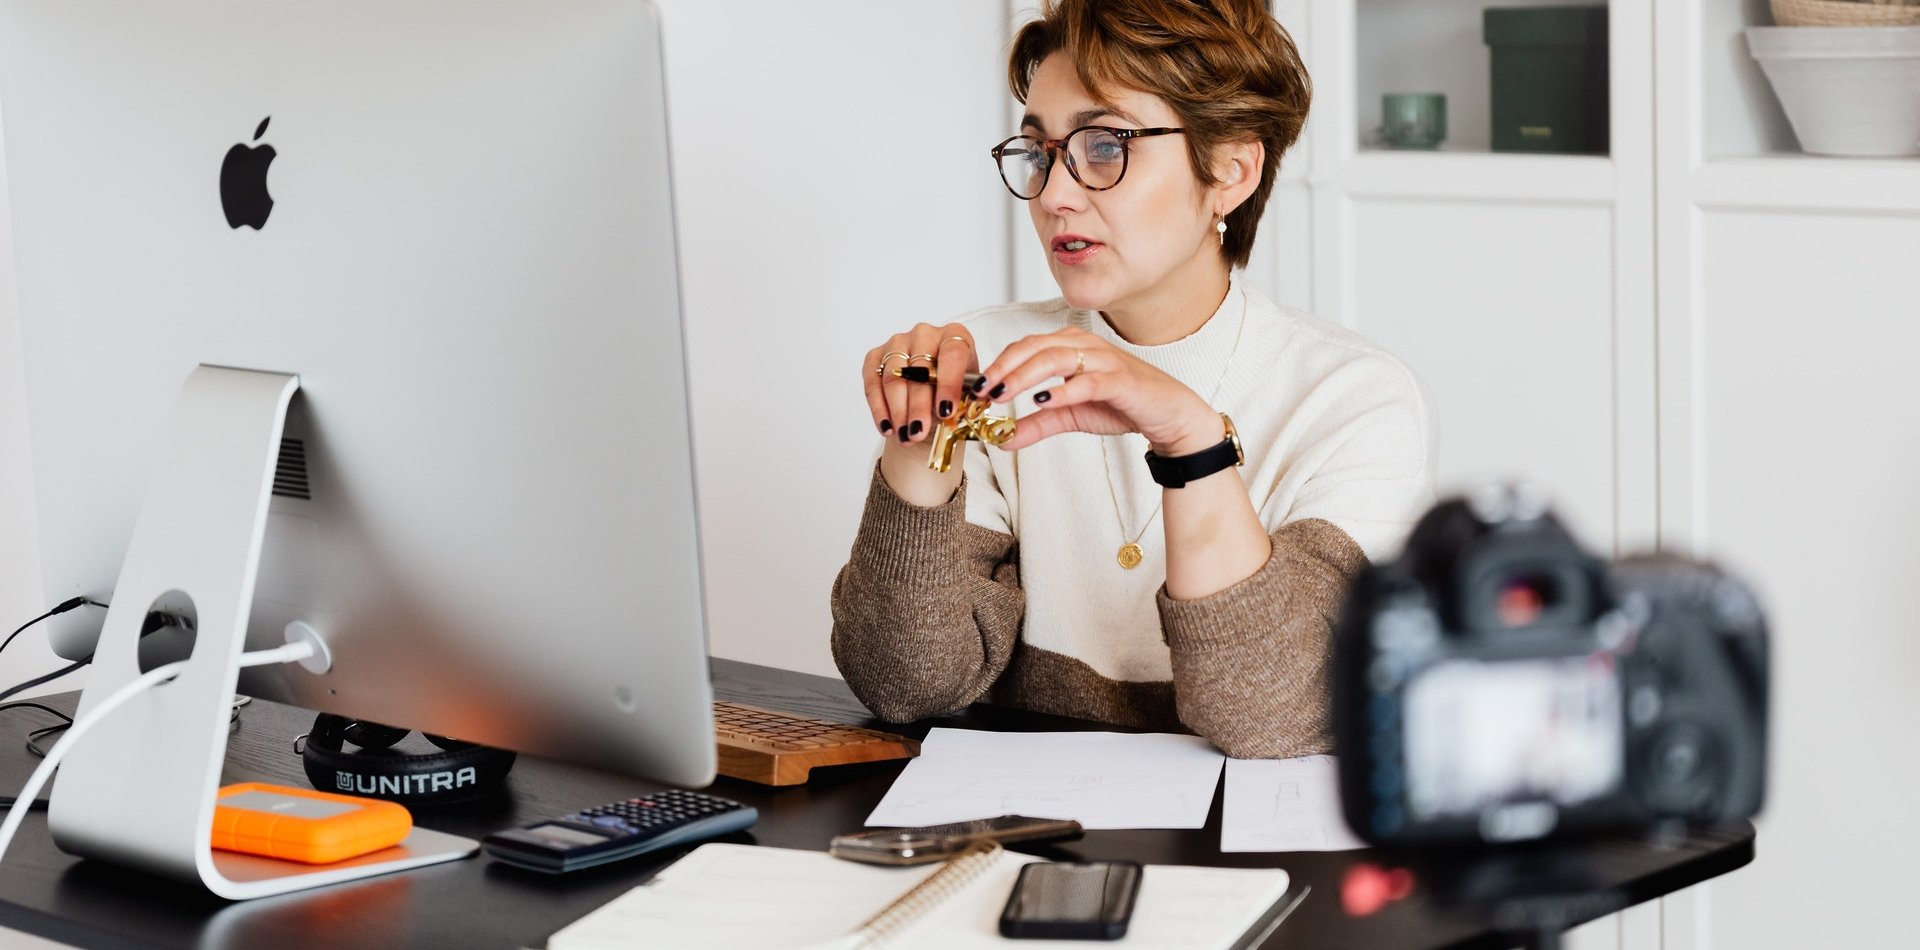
[(1499, 684)]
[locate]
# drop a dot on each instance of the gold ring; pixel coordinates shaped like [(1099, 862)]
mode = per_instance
[(881, 370), (1079, 362), (929, 357), (963, 341)]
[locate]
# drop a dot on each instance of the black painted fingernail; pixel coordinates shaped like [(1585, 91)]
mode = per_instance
[(886, 426), (1042, 396), (906, 432), (946, 408), (917, 426), (978, 383), (995, 392)]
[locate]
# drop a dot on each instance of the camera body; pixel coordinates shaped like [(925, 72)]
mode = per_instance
[(1497, 684)]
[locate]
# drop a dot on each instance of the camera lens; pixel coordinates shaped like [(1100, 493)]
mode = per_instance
[(1678, 760), (1683, 771)]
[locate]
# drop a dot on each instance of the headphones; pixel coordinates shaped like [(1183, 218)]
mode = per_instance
[(462, 770)]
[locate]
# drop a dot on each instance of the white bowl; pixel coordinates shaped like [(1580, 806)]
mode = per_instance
[(1848, 90)]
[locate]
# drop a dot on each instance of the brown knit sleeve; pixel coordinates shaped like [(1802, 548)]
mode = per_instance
[(926, 612), (1251, 664)]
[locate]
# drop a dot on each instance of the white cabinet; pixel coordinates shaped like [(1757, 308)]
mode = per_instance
[(1518, 287), (1789, 303), (1702, 340)]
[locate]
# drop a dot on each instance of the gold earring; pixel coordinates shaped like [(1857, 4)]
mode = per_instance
[(1222, 229)]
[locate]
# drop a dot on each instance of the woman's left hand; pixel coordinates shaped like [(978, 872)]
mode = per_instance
[(1106, 392)]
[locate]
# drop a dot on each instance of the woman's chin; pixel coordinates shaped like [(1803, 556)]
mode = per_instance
[(1083, 294)]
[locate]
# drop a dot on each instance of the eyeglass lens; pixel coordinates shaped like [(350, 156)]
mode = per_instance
[(1096, 158)]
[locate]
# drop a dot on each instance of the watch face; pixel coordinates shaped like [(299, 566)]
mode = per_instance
[(1233, 435)]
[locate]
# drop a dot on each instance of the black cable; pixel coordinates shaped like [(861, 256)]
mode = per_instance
[(50, 677), (71, 603), (31, 704), (6, 801), (65, 605), (34, 737)]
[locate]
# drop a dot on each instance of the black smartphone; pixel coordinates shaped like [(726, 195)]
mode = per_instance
[(939, 842), (1072, 901)]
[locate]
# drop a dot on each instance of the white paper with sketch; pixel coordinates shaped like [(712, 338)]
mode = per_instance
[(1284, 805), (1100, 779)]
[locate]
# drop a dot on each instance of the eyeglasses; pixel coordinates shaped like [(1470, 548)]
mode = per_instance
[(1096, 158)]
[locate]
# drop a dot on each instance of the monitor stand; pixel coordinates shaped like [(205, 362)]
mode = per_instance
[(139, 790)]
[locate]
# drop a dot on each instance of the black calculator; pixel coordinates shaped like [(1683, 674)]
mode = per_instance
[(619, 830)]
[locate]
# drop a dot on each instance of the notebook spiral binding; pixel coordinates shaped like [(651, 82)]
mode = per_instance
[(957, 873)]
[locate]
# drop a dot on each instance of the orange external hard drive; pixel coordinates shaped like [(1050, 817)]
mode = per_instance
[(297, 824)]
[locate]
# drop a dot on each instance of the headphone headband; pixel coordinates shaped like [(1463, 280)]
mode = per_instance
[(463, 770)]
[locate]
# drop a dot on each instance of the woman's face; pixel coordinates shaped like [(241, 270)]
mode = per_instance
[(1156, 224)]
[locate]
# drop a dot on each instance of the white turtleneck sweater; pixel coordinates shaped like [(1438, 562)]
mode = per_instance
[(1332, 426), (931, 613)]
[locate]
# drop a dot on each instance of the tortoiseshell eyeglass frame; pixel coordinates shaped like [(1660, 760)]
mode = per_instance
[(1050, 146)]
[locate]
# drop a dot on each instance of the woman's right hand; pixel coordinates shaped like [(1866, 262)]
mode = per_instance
[(905, 413)]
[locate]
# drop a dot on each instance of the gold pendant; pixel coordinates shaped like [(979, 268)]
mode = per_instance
[(1130, 555)]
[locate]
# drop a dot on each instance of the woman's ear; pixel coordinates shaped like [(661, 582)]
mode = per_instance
[(1237, 168)]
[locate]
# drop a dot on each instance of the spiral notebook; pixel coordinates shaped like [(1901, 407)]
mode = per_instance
[(743, 897)]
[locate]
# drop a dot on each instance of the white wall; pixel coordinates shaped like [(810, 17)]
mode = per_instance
[(20, 597), (832, 188)]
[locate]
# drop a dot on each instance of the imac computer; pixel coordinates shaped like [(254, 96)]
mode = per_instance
[(356, 323)]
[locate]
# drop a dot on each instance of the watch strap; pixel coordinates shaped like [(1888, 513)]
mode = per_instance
[(1176, 471)]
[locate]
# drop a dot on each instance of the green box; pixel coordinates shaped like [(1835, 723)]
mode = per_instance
[(1549, 78)]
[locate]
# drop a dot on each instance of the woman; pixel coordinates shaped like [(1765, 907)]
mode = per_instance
[(1034, 574)]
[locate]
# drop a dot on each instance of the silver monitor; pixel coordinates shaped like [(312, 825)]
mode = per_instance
[(446, 227)]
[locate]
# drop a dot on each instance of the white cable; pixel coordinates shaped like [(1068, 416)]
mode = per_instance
[(291, 653)]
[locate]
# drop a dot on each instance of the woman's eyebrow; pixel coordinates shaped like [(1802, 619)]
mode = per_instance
[(1086, 116), (1083, 117)]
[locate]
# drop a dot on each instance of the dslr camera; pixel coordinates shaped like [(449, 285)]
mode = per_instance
[(1498, 684)]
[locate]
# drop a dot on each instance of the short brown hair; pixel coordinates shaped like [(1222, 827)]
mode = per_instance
[(1227, 67)]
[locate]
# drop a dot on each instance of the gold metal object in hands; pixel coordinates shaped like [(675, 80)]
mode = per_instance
[(971, 422)]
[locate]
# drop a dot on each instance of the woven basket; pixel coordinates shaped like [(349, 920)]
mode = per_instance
[(1846, 13)]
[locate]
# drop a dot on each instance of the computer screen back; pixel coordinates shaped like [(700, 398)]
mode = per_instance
[(465, 250)]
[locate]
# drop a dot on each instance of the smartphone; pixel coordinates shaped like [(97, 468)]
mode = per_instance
[(1072, 901), (939, 842)]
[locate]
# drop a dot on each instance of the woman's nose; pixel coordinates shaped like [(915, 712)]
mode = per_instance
[(1062, 192)]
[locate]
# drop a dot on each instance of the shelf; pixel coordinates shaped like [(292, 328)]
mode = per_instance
[(1428, 46), (1813, 183), (1480, 176)]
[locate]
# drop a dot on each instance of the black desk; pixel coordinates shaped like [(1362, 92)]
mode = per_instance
[(477, 904)]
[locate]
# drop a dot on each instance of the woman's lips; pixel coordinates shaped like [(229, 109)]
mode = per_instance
[(1072, 251)]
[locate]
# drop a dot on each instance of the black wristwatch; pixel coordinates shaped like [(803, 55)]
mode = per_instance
[(1176, 471)]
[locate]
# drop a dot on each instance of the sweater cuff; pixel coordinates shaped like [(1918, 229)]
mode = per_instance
[(901, 542), (1311, 556), (1224, 616)]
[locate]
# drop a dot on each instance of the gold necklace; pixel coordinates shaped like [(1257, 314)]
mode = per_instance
[(1131, 554)]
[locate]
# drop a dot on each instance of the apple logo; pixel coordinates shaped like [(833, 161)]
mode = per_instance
[(243, 182)]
